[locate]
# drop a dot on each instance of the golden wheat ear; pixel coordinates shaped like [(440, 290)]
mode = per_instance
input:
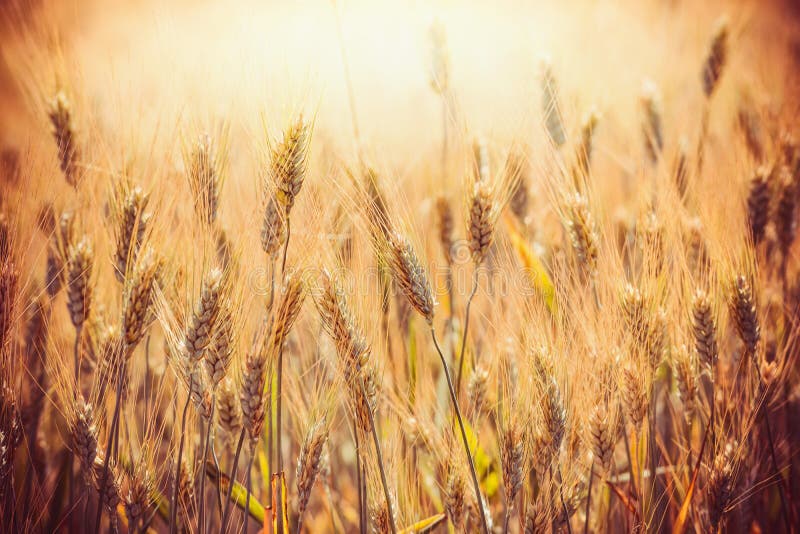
[(60, 113), (131, 228), (481, 221), (716, 58), (652, 130), (742, 304), (309, 463), (444, 214), (289, 161), (758, 203), (410, 276), (79, 284), (137, 310), (583, 234)]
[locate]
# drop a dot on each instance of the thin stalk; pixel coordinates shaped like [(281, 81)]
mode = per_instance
[(216, 466), (361, 525), (286, 246), (466, 327), (450, 297), (652, 451), (111, 434), (563, 502), (248, 483), (381, 467), (173, 509), (484, 525), (270, 434), (507, 516), (300, 524), (231, 480), (271, 282), (201, 516), (713, 415), (278, 436), (364, 497), (450, 324), (78, 330), (146, 523)]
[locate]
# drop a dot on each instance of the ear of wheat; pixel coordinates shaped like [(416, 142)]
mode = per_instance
[(289, 158), (716, 58), (204, 170), (758, 204), (64, 133), (651, 125), (137, 311), (79, 284), (133, 223), (481, 221), (410, 276), (200, 330)]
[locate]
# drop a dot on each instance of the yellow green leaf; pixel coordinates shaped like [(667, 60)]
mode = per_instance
[(426, 525), (534, 268), (483, 463), (238, 493)]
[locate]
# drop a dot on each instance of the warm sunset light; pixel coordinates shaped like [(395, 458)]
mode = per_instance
[(312, 266)]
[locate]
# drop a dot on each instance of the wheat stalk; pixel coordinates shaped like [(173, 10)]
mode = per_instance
[(410, 276)]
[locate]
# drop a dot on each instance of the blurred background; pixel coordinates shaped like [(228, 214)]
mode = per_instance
[(144, 60)]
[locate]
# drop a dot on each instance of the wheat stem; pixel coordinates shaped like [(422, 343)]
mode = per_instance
[(381, 467), (286, 247), (563, 502), (173, 509), (507, 516), (271, 283), (231, 481), (201, 516), (361, 526), (270, 433), (453, 398), (78, 330), (466, 328), (248, 483), (278, 437), (216, 467), (111, 434)]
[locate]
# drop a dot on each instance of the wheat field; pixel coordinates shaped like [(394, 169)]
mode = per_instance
[(395, 267)]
